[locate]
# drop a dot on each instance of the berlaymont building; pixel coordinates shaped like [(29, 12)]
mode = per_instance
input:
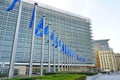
[(74, 30)]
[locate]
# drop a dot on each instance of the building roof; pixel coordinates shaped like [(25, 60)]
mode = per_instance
[(102, 40), (88, 20)]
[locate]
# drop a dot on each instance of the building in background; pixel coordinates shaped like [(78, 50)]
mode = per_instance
[(117, 56), (74, 30), (105, 57)]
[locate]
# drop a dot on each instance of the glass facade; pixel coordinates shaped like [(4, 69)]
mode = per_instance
[(74, 30)]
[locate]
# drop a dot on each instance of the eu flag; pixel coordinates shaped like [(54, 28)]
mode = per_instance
[(52, 44), (63, 48), (57, 42), (40, 24), (60, 43), (72, 54), (32, 18), (46, 30), (39, 34), (36, 30), (52, 36), (69, 52), (12, 5)]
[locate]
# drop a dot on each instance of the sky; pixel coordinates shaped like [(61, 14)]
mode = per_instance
[(104, 15)]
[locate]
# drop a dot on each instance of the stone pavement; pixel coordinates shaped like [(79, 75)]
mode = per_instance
[(112, 76)]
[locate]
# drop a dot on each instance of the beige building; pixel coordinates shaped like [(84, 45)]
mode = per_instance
[(107, 60), (105, 57), (117, 56)]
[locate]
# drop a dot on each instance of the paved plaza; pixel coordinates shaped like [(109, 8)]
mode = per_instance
[(111, 76)]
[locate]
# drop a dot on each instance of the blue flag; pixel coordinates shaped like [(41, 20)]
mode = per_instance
[(39, 34), (69, 52), (60, 43), (32, 18), (66, 51), (46, 30), (12, 5), (63, 49), (40, 24), (36, 30), (52, 36), (52, 44), (72, 54), (57, 42)]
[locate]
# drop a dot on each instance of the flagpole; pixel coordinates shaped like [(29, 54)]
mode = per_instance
[(71, 64), (12, 60), (54, 67), (54, 54), (42, 46), (67, 63), (61, 55), (32, 46), (74, 62), (64, 61), (58, 54), (49, 67), (62, 58)]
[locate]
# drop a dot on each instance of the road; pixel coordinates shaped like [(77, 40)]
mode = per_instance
[(111, 76)]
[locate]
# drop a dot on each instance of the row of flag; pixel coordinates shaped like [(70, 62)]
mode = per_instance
[(40, 28), (58, 43), (38, 32)]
